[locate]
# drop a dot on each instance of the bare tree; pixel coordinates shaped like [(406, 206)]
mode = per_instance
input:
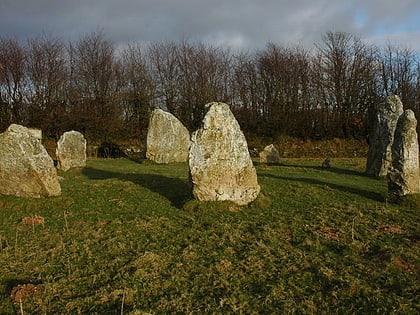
[(205, 77), (89, 86), (166, 73), (416, 105), (138, 93), (272, 70), (12, 83), (47, 71), (246, 96), (398, 73), (93, 84), (188, 76), (302, 102), (284, 75), (347, 69)]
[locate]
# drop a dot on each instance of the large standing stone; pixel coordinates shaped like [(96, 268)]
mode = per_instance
[(220, 165), (270, 155), (404, 176), (26, 169), (168, 140), (379, 157), (71, 150)]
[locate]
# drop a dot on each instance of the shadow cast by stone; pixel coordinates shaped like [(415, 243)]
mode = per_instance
[(331, 169), (176, 190), (363, 193), (342, 171)]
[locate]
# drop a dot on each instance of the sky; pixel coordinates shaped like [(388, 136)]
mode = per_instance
[(237, 24)]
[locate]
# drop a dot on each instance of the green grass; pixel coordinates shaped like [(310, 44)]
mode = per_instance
[(126, 237)]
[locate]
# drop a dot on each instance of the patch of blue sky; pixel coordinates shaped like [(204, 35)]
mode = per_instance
[(361, 17), (390, 26)]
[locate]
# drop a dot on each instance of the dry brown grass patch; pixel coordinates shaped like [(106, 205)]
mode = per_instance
[(234, 208), (328, 233), (33, 220), (404, 265), (23, 291), (390, 229)]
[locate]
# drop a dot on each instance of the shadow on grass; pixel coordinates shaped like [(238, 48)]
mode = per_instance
[(347, 189), (176, 190), (336, 170)]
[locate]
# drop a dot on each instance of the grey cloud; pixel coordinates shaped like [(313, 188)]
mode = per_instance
[(240, 23)]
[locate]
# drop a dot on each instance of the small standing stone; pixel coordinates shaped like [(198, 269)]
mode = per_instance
[(168, 140), (404, 175), (71, 150), (220, 165), (270, 155), (379, 157), (26, 169)]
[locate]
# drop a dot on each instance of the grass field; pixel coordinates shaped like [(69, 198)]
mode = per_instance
[(126, 237)]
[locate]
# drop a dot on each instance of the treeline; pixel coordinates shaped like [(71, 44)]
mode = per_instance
[(108, 93)]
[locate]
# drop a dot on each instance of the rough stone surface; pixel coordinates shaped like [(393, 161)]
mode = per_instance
[(220, 165), (379, 157), (26, 169), (71, 150), (168, 141), (270, 155), (404, 176), (37, 133)]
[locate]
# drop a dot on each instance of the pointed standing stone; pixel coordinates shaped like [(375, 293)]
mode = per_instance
[(168, 140), (26, 169), (379, 157), (404, 176), (270, 155), (220, 165), (71, 150)]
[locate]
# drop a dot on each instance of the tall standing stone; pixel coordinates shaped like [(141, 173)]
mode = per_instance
[(220, 165), (404, 175), (26, 169), (71, 150), (168, 140), (379, 157)]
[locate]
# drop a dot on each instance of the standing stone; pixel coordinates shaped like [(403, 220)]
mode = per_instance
[(71, 150), (168, 140), (26, 169), (379, 157), (220, 165), (270, 155), (404, 176)]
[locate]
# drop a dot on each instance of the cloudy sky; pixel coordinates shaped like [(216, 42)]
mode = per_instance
[(243, 24)]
